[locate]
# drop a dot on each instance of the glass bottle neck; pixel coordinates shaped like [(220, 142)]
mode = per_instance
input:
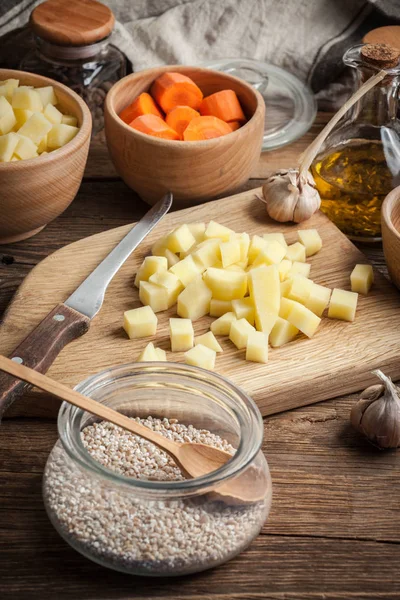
[(380, 105), (52, 52)]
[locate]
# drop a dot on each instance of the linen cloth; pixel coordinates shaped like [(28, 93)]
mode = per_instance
[(306, 37)]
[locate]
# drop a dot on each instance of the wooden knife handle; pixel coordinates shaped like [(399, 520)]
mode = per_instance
[(39, 350)]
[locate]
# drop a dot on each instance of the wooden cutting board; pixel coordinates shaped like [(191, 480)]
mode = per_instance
[(337, 361)]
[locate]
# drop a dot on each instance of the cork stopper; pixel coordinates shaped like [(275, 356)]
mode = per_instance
[(72, 22), (381, 55)]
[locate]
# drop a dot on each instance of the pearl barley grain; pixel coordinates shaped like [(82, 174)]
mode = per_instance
[(137, 533)]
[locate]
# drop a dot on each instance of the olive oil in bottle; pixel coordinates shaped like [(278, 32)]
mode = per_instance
[(353, 181)]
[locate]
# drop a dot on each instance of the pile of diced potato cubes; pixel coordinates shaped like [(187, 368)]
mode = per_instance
[(258, 289), (31, 121)]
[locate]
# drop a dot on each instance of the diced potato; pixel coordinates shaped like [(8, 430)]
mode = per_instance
[(148, 354), (36, 127), (42, 145), (207, 253), (285, 287), (239, 333), (153, 295), (284, 267), (7, 88), (172, 258), (21, 115), (226, 285), (244, 309), (28, 98), (170, 283), (265, 292), (256, 245), (343, 305), (161, 354), (285, 307), (244, 241), (208, 339), (25, 148), (318, 299), (180, 239), (279, 237), (272, 254), (311, 240), (61, 134), (69, 120), (282, 333), (201, 356), (236, 268), (257, 347), (7, 117), (150, 265), (52, 114), (14, 158), (230, 252), (300, 289), (215, 230), (197, 230), (299, 268), (48, 96), (186, 270), (194, 301), (302, 318), (296, 252), (362, 278), (181, 334), (140, 322), (159, 247), (8, 143), (219, 307), (222, 326)]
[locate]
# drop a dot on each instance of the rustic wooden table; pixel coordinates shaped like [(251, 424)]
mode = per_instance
[(334, 528)]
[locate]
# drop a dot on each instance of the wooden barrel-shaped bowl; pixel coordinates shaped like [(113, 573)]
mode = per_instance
[(193, 171), (391, 234), (33, 192)]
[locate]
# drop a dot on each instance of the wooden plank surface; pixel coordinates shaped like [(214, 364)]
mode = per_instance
[(334, 528), (333, 531), (337, 360)]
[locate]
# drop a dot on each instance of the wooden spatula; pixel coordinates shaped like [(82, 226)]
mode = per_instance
[(195, 459)]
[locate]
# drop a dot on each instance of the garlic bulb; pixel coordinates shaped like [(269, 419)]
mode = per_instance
[(290, 194), (377, 413), (291, 197)]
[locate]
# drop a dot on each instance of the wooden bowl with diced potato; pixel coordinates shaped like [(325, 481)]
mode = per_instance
[(39, 181), (194, 171)]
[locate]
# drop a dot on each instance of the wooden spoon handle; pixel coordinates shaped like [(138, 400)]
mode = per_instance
[(41, 347), (96, 408)]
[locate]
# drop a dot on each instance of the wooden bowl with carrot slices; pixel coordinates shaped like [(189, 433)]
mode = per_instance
[(190, 130)]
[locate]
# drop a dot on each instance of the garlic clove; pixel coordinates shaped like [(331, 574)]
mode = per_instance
[(290, 196)]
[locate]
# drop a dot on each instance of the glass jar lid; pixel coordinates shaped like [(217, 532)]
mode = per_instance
[(290, 105), (72, 22)]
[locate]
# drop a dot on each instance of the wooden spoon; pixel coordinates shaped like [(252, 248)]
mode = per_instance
[(195, 459)]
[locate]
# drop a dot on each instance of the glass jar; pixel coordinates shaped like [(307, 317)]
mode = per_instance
[(153, 527), (90, 69), (359, 163)]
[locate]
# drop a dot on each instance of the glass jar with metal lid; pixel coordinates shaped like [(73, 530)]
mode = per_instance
[(73, 47)]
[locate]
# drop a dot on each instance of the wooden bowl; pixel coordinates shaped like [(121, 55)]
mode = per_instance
[(35, 191), (193, 171), (391, 234)]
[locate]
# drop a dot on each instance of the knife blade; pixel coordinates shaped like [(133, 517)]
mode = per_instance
[(71, 319)]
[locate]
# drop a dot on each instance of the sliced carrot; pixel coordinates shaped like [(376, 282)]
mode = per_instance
[(179, 118), (142, 105), (174, 89), (155, 126), (224, 105), (205, 128), (234, 125)]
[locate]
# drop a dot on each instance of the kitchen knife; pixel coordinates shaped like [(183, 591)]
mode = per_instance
[(71, 319)]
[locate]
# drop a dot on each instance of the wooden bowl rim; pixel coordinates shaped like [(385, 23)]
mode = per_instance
[(70, 147), (211, 143), (390, 201)]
